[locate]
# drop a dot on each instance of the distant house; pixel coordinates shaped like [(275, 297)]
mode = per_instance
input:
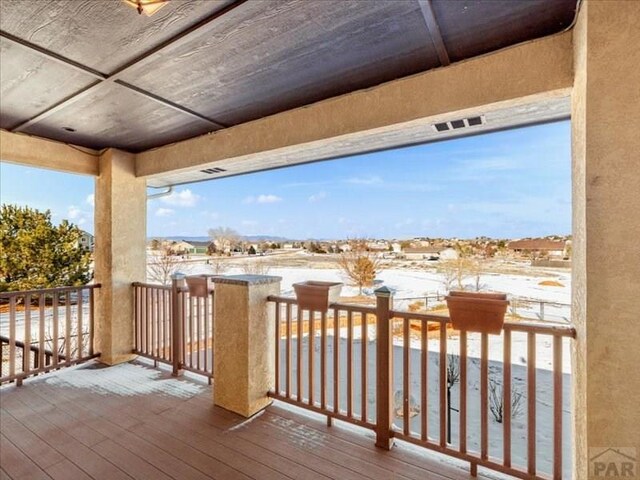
[(196, 247), (86, 240), (538, 247), (287, 246), (422, 253)]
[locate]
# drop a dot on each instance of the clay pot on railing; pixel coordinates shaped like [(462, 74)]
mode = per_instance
[(477, 312), (316, 295)]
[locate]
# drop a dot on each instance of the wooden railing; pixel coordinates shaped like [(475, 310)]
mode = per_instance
[(187, 342), (322, 382), (409, 376), (47, 329)]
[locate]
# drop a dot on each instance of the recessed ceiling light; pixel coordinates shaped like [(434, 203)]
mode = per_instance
[(69, 129)]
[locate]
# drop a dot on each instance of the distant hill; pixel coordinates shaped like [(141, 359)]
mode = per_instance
[(248, 238)]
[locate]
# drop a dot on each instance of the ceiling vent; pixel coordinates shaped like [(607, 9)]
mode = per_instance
[(458, 124), (211, 171)]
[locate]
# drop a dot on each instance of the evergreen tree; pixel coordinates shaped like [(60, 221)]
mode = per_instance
[(36, 254)]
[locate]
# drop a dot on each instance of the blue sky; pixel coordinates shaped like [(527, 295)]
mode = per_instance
[(511, 184)]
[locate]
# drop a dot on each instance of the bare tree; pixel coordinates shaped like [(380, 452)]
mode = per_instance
[(162, 266), (453, 370), (476, 269), (449, 273), (218, 265), (496, 401), (360, 265), (224, 238), (258, 267)]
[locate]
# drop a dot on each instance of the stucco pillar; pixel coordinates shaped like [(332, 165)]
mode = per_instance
[(120, 252), (244, 342), (606, 229)]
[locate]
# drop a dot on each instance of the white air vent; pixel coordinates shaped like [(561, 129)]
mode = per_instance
[(458, 124), (211, 171)]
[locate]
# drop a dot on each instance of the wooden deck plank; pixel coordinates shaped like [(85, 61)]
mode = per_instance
[(17, 464), (89, 461), (65, 470), (25, 440), (127, 461), (131, 421)]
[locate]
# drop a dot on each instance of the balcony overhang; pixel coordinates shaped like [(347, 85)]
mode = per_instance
[(521, 85)]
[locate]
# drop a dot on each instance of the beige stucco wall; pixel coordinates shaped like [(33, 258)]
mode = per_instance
[(39, 152), (606, 228), (120, 252)]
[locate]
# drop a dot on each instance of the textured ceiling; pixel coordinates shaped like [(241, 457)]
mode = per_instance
[(123, 80)]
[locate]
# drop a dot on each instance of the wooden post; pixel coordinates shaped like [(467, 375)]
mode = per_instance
[(177, 279), (384, 355)]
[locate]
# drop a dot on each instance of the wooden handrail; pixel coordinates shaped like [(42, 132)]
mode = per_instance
[(44, 291)]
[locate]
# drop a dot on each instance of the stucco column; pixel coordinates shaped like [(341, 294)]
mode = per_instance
[(120, 252), (244, 342), (606, 229)]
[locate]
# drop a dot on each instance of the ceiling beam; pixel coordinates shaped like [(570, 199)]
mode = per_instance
[(33, 151), (116, 76), (434, 31)]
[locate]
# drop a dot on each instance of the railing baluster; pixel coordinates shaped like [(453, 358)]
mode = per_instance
[(41, 330), (531, 403), (80, 333), (277, 372), (484, 396), (299, 356), (424, 375), (198, 330), (12, 336), (557, 407), (506, 365), (205, 354), (349, 364), (67, 326), (443, 384), (406, 349), (26, 353), (363, 378), (336, 360), (323, 360), (136, 316), (91, 321), (288, 359), (311, 353), (154, 323), (463, 391)]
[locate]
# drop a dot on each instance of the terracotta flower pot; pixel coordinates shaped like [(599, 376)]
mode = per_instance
[(316, 295), (200, 285), (477, 312)]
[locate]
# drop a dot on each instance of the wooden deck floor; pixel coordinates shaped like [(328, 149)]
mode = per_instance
[(132, 421)]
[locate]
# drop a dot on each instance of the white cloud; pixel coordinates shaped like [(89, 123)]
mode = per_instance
[(164, 212), (370, 180), (78, 216), (269, 198), (182, 198), (91, 199), (74, 212), (316, 197), (249, 223)]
